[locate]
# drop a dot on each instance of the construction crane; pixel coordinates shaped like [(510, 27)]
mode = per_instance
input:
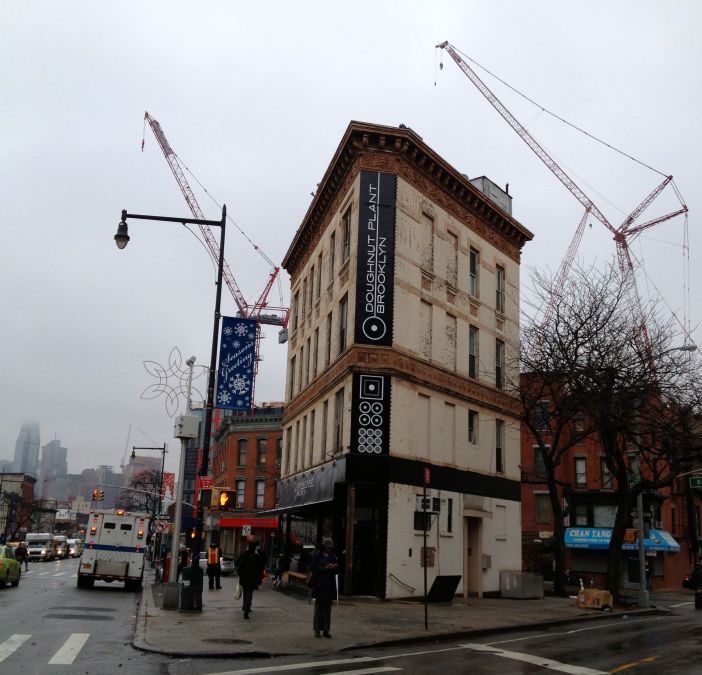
[(274, 316), (622, 234)]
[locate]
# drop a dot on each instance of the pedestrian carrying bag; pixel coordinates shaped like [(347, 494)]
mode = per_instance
[(237, 591)]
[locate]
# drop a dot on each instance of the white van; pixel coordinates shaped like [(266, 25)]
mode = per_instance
[(75, 548), (114, 548), (61, 546), (41, 545)]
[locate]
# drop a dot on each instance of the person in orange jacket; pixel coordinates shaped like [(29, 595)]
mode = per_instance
[(214, 568)]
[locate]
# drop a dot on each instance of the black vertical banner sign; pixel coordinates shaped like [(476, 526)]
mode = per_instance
[(370, 414), (376, 258)]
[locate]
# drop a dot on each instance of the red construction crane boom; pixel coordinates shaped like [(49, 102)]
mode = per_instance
[(627, 228), (274, 316)]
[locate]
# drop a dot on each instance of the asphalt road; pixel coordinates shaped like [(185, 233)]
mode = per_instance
[(636, 645), (48, 625)]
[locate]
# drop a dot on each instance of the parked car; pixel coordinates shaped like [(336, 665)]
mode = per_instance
[(227, 565), (10, 569)]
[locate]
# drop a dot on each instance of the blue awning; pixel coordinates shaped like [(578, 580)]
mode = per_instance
[(597, 538)]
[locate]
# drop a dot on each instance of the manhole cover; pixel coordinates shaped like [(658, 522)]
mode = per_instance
[(227, 641)]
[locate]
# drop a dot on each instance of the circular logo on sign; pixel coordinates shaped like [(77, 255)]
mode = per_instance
[(374, 328)]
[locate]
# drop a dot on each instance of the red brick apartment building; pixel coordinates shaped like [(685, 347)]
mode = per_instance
[(672, 546), (246, 458)]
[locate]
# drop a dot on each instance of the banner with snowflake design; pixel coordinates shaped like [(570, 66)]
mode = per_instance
[(236, 364)]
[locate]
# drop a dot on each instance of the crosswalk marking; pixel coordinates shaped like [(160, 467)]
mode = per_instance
[(59, 574), (42, 574), (366, 671), (536, 660), (68, 652), (11, 644)]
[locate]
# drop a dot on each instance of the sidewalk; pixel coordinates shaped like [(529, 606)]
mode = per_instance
[(281, 621)]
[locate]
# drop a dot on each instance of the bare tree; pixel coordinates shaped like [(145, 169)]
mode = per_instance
[(143, 493), (618, 370)]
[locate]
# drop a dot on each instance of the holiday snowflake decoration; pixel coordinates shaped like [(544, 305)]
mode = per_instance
[(172, 381), (236, 363)]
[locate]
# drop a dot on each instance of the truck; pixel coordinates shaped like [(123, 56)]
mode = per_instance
[(114, 548), (41, 546)]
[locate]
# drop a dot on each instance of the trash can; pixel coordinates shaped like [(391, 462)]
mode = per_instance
[(698, 598), (191, 589)]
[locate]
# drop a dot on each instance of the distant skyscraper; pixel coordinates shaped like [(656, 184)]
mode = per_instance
[(53, 466), (27, 449)]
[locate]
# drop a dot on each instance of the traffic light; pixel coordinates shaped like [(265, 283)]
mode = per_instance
[(227, 499), (98, 495)]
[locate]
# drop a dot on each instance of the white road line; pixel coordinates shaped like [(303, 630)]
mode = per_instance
[(11, 644), (682, 604), (536, 660), (297, 666), (67, 654), (365, 671), (59, 574), (42, 574)]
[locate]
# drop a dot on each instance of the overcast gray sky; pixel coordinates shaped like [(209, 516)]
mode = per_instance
[(254, 98)]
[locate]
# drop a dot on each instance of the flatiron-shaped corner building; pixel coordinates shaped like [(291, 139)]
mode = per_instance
[(404, 327)]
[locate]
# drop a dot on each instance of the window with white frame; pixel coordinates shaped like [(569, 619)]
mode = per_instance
[(472, 427), (500, 289), (580, 472), (261, 451), (474, 262), (499, 364), (339, 422), (327, 345), (499, 446), (240, 485), (473, 352), (343, 318), (260, 493), (242, 446)]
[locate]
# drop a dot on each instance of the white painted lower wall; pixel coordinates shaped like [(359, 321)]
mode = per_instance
[(500, 539)]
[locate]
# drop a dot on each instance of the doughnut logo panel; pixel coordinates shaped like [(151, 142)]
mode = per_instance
[(376, 258), (370, 423)]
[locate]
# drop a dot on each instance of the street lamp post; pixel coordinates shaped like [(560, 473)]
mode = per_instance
[(121, 239)]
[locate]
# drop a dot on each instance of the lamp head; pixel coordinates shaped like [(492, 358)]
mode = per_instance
[(190, 362), (122, 236)]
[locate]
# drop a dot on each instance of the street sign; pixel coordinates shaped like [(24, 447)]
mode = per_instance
[(696, 482), (161, 526)]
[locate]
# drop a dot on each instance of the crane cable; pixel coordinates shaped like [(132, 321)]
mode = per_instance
[(229, 218), (561, 119)]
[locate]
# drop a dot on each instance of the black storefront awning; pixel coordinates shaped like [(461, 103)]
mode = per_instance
[(309, 488)]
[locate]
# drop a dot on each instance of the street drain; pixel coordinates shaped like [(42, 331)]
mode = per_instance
[(227, 641)]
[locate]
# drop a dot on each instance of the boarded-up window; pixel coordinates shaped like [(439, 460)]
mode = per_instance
[(452, 261), (425, 322), (451, 333), (426, 243)]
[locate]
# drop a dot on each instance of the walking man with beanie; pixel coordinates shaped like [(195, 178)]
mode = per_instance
[(324, 568)]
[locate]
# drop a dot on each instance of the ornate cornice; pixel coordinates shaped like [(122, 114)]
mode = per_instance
[(401, 151)]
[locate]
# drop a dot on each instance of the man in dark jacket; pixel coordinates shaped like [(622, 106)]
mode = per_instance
[(324, 568), (249, 567), (22, 554)]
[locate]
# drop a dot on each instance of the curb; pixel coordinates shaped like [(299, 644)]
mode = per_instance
[(139, 640)]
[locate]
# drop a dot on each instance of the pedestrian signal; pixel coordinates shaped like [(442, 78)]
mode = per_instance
[(227, 498)]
